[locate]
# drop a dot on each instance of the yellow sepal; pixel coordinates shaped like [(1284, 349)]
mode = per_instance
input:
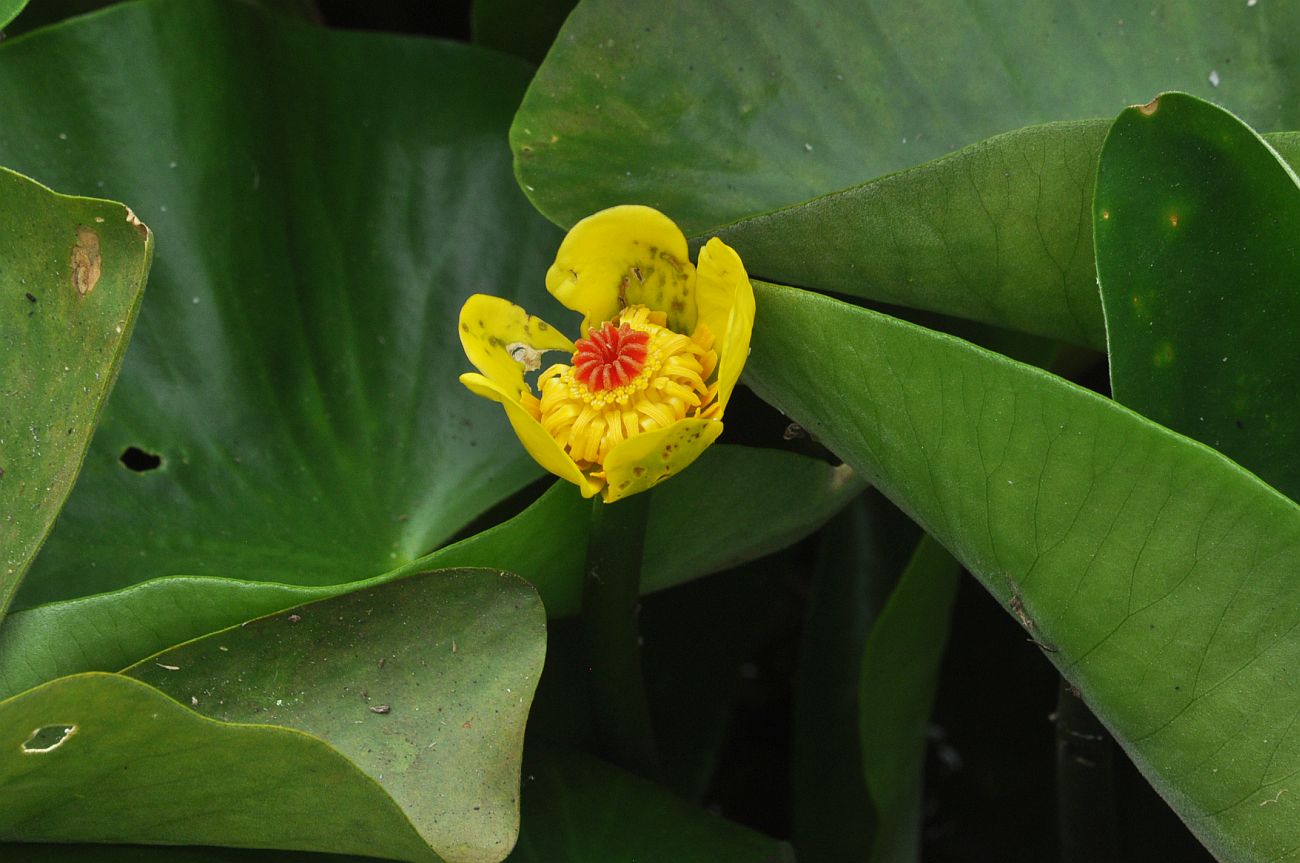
[(726, 305), (489, 326), (541, 446), (640, 462), (625, 256)]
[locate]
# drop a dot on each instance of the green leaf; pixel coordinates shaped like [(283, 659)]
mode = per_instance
[(580, 810), (299, 383), (9, 10), (73, 271), (900, 673), (1157, 575), (789, 494), (1196, 224), (360, 706), (999, 232), (294, 368), (720, 111)]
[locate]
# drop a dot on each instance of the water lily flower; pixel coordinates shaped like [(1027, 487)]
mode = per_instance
[(643, 394)]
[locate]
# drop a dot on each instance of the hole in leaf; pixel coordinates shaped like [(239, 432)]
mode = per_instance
[(48, 738), (140, 461)]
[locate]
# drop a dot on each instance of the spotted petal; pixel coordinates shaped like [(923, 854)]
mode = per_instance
[(640, 462), (490, 327), (625, 256)]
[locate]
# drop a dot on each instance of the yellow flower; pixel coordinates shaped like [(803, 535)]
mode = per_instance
[(643, 394)]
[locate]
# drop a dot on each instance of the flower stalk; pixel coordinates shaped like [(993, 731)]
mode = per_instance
[(610, 605)]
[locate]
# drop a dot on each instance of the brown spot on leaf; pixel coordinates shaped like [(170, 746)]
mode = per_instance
[(1150, 107), (134, 221), (86, 264)]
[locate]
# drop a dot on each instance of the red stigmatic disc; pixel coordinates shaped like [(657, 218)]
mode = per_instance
[(610, 357)]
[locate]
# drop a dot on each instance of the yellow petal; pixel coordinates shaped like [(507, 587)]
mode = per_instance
[(625, 256), (540, 445), (640, 462), (726, 303), (491, 326)]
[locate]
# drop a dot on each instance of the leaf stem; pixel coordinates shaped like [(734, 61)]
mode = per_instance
[(610, 603), (1087, 818)]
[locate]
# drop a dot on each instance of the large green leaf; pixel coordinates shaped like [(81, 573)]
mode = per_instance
[(73, 270), (1196, 222), (298, 380), (716, 111), (580, 810), (546, 544), (381, 721), (294, 367), (999, 231), (1157, 574)]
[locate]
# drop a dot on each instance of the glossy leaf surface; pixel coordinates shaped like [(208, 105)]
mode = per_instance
[(371, 723), (72, 271), (688, 537), (717, 112), (297, 380), (1157, 574), (294, 367), (1196, 220), (999, 232)]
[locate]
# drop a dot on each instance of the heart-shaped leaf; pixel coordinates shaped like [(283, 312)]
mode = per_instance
[(381, 722), (294, 383), (71, 275), (289, 411), (1155, 573), (1197, 220)]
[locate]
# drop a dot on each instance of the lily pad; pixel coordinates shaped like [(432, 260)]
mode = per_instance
[(387, 721), (292, 396), (289, 410), (790, 494), (1196, 223), (999, 232), (1155, 573), (72, 271), (720, 111)]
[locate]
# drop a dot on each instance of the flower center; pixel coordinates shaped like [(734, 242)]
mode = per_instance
[(610, 357), (628, 377)]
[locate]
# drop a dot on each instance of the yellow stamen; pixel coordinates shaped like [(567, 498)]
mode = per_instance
[(670, 386)]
